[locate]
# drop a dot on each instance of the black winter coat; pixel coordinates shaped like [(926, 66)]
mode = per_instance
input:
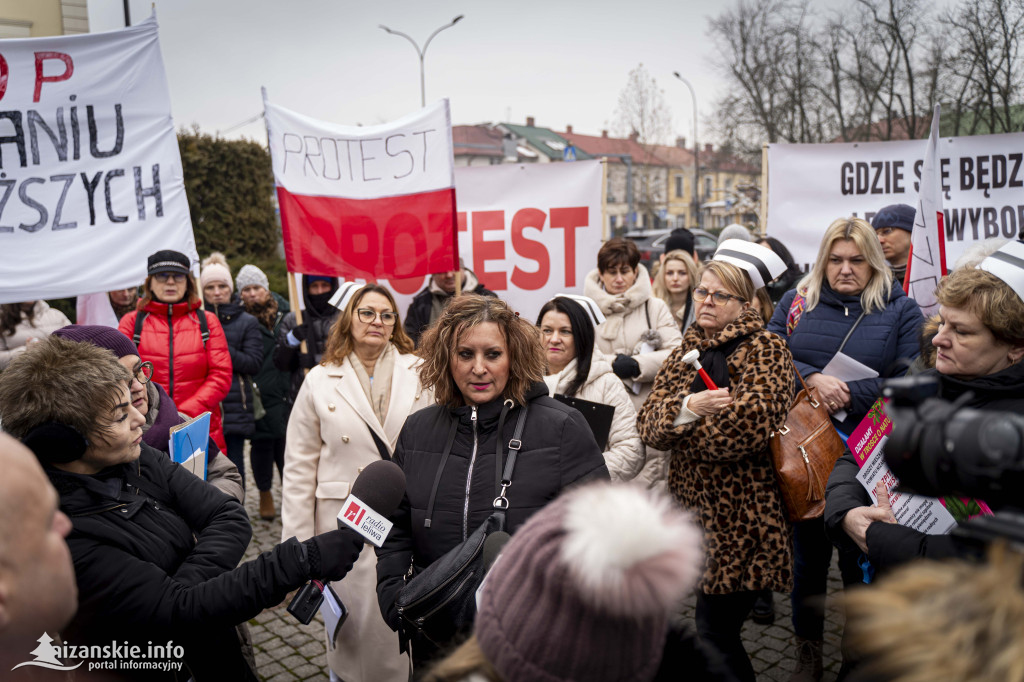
[(155, 551), (288, 359), (558, 450), (275, 385), (246, 347), (890, 544), (417, 318)]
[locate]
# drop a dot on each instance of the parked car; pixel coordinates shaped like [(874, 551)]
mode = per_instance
[(652, 244)]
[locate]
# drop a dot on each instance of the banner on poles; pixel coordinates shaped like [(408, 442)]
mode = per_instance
[(365, 202), (90, 175), (927, 262), (810, 185)]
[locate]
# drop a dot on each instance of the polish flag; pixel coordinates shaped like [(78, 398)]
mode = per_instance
[(926, 264), (370, 202)]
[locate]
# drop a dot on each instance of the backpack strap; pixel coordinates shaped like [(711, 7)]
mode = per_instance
[(440, 470), (139, 319), (204, 327)]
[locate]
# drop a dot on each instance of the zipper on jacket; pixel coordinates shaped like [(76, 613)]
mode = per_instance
[(469, 479), (170, 350), (846, 311)]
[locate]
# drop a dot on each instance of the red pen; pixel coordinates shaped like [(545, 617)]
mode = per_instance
[(692, 358)]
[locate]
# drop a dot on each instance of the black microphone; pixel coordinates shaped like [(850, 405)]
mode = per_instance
[(375, 495)]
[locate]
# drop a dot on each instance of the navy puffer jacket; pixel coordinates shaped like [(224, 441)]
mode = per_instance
[(245, 343), (881, 338)]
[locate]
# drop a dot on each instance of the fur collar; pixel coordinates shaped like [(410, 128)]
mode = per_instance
[(632, 298), (747, 323)]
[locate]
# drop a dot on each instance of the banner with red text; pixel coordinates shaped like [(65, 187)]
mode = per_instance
[(90, 174), (365, 202)]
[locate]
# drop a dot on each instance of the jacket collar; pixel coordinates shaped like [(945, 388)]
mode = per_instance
[(177, 309), (748, 322), (1003, 385), (610, 304)]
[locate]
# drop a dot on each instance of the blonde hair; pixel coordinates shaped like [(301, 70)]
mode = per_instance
[(876, 294), (467, 659), (660, 288), (339, 340), (738, 283)]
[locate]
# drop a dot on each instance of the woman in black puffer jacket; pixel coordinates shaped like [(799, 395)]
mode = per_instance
[(246, 347), (483, 362)]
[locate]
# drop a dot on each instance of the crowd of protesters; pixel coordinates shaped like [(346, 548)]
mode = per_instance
[(611, 527)]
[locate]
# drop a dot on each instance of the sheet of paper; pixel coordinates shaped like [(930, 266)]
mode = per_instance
[(333, 613), (845, 368)]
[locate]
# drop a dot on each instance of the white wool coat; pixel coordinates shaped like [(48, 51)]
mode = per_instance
[(624, 455), (328, 444), (45, 321)]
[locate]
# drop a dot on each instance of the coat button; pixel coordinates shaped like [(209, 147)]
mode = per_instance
[(344, 439), (330, 406)]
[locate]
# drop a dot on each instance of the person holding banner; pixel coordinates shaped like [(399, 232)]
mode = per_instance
[(349, 413), (22, 324), (185, 343), (845, 317), (576, 369), (318, 316), (717, 431)]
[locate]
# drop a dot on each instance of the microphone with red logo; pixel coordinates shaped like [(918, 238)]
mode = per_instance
[(375, 495)]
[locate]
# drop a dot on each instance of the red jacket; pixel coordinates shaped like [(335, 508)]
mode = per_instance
[(197, 379)]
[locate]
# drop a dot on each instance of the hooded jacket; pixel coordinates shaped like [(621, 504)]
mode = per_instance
[(624, 455), (40, 323), (196, 376), (245, 345), (318, 316), (275, 385), (558, 450), (420, 313)]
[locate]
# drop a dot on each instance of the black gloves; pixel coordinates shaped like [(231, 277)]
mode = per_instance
[(625, 367), (332, 554), (301, 332)]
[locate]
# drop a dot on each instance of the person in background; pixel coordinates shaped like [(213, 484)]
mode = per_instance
[(37, 579), (185, 343), (780, 285), (681, 239), (734, 231), (22, 324), (349, 413), (123, 301), (153, 403), (893, 226), (428, 304), (266, 449), (674, 284), (245, 345), (317, 317), (577, 369)]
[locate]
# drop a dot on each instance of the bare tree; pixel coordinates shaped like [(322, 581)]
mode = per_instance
[(643, 116)]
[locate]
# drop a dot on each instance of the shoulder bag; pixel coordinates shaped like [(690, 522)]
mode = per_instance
[(440, 602)]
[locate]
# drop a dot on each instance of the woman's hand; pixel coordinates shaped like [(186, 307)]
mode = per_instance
[(857, 520), (835, 393), (707, 403)]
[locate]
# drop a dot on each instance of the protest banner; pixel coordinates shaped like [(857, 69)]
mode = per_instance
[(926, 264), (365, 202), (90, 175), (810, 185)]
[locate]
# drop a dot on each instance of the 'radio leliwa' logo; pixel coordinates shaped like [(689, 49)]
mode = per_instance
[(113, 656)]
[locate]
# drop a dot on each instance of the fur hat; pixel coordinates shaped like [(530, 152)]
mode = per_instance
[(215, 269), (250, 275), (584, 590), (895, 215)]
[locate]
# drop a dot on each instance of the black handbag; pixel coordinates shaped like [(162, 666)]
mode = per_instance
[(440, 602)]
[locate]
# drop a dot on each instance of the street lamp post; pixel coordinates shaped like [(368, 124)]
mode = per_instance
[(696, 151), (422, 53)]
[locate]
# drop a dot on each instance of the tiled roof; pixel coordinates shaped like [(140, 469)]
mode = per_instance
[(597, 147), (478, 140), (546, 141)]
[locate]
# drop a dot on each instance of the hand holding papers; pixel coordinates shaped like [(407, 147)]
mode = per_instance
[(846, 369)]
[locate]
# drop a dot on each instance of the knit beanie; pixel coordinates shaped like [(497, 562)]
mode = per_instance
[(99, 335), (215, 269), (900, 216), (734, 231), (584, 590), (250, 275), (681, 239)]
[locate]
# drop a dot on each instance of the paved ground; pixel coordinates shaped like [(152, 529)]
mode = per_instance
[(286, 650)]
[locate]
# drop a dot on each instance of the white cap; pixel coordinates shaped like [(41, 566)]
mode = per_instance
[(344, 294), (589, 306), (761, 263), (1008, 265)]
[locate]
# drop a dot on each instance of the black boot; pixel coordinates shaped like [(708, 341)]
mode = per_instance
[(763, 612)]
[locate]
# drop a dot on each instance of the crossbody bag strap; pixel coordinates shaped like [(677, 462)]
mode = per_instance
[(440, 470), (849, 333), (514, 445)]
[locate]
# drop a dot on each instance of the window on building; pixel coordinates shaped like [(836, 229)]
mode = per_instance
[(707, 189), (728, 184), (612, 221), (679, 186)]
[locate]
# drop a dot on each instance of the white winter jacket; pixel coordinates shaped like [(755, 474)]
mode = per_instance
[(44, 321)]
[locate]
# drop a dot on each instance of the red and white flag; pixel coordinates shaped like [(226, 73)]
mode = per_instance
[(927, 262), (373, 202)]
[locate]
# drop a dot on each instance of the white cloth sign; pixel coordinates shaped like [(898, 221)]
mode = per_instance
[(91, 180), (810, 185), (926, 265)]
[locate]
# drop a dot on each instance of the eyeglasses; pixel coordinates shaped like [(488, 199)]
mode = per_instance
[(387, 318), (718, 297), (176, 277), (143, 372)]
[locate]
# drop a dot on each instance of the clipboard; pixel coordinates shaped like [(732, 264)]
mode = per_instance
[(189, 443), (598, 415)]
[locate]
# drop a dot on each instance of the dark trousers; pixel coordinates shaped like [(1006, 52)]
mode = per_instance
[(812, 552), (263, 455), (236, 453), (719, 620)]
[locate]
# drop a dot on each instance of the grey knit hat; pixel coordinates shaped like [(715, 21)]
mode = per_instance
[(734, 231), (251, 275)]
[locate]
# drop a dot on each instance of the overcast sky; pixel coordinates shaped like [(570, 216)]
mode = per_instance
[(561, 61)]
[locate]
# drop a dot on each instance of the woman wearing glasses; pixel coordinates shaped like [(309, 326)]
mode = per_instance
[(720, 466), (185, 343), (348, 413)]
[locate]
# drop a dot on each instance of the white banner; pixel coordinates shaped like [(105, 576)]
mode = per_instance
[(91, 180), (527, 231), (811, 185)]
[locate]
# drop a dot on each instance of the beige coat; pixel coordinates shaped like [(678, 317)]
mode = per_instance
[(45, 321), (624, 455), (328, 444)]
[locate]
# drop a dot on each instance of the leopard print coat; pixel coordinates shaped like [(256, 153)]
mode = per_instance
[(720, 466)]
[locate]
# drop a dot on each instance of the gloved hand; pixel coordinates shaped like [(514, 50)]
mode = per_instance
[(332, 554), (625, 367), (297, 335)]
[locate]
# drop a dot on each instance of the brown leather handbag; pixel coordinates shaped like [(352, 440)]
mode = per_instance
[(804, 450)]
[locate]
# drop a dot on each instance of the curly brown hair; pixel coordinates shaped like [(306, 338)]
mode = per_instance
[(339, 341), (525, 352), (993, 301)]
